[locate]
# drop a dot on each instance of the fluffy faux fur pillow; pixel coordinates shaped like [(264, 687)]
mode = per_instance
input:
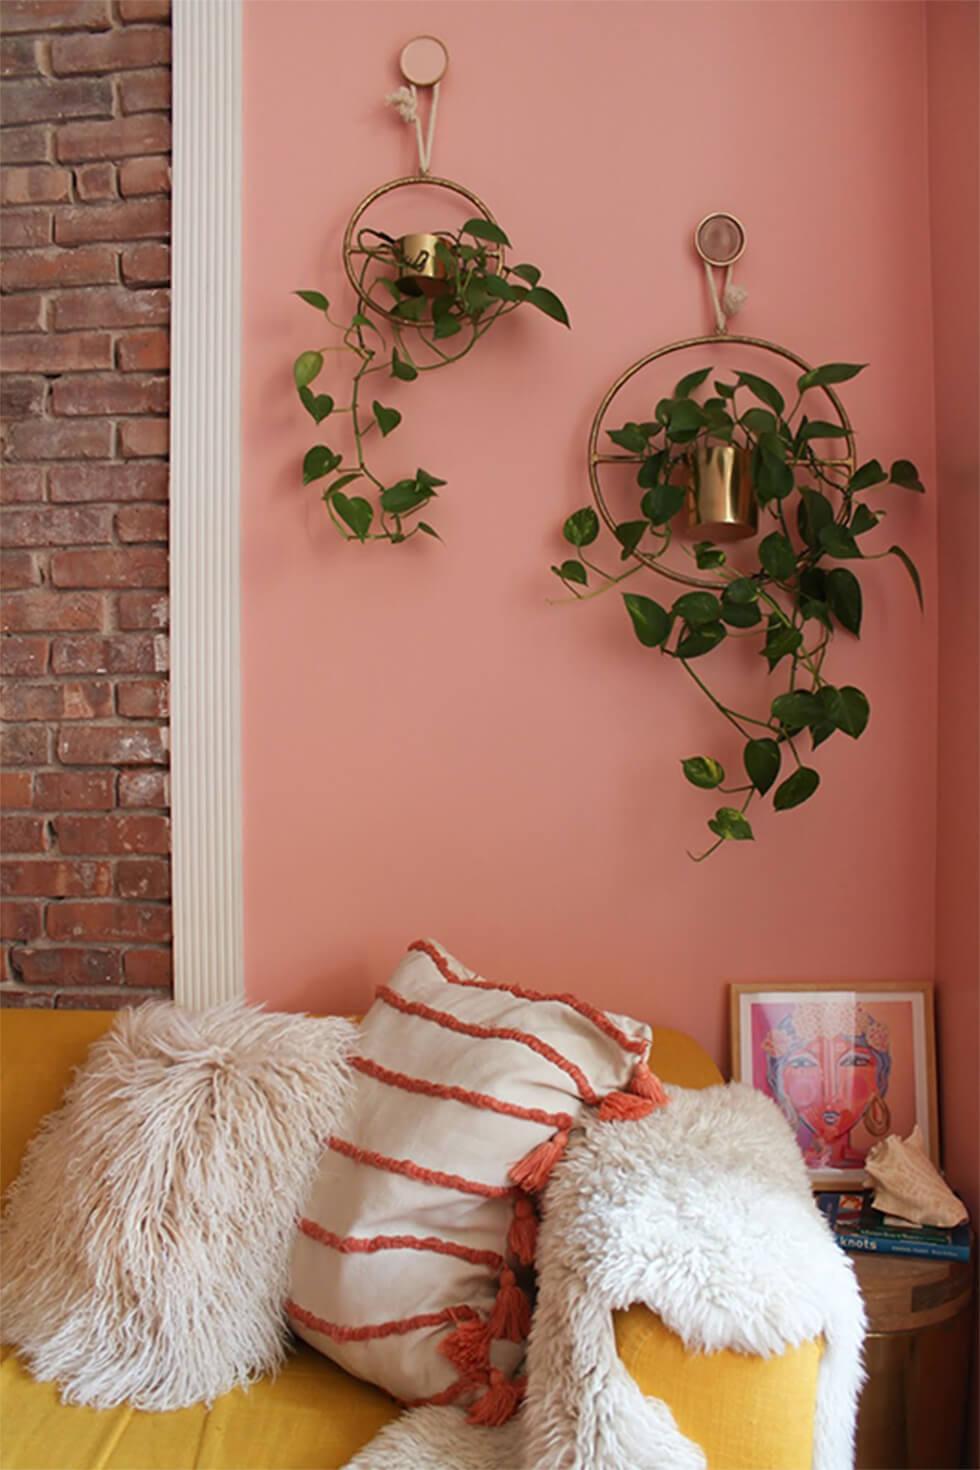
[(146, 1243)]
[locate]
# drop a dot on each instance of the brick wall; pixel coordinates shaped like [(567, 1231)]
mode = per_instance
[(85, 179)]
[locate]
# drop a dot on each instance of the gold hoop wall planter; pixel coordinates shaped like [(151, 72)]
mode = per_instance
[(734, 490)]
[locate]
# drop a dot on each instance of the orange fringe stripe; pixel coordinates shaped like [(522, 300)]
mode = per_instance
[(395, 1328), (368, 1244), (417, 1171), (458, 1094)]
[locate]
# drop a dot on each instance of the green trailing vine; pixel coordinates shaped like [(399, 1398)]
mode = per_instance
[(802, 590), (476, 290)]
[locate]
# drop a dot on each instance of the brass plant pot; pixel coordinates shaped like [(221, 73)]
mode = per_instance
[(720, 497), (420, 270)]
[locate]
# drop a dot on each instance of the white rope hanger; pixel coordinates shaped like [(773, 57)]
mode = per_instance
[(423, 63)]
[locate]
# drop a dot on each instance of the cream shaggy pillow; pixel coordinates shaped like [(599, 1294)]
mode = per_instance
[(410, 1256), (146, 1243)]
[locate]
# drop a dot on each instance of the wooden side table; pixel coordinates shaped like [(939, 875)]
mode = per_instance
[(913, 1408)]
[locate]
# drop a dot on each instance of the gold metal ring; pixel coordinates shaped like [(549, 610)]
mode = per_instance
[(595, 458), (409, 181)]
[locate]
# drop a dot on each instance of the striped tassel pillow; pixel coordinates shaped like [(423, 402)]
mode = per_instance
[(413, 1256)]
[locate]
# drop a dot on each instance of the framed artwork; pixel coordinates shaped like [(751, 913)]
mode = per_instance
[(847, 1064)]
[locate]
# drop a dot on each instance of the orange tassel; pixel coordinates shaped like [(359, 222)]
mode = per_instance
[(500, 1401), (624, 1107), (468, 1348), (534, 1170), (511, 1315), (522, 1238), (646, 1084)]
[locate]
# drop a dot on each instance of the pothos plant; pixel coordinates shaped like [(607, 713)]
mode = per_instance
[(800, 591), (476, 288)]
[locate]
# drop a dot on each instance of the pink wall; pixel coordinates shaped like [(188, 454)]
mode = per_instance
[(430, 747)]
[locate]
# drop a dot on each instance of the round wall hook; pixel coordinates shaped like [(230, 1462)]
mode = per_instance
[(720, 239), (423, 61)]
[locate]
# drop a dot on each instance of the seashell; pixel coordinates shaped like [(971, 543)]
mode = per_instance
[(909, 1185)]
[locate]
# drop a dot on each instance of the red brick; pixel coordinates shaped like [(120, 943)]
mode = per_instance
[(56, 15), (135, 219), (52, 878), (142, 523), (88, 265), (22, 834), (146, 265), (123, 653), (149, 351), (39, 438), (18, 57), (15, 997), (111, 393), (47, 353), (130, 568), (146, 880), (59, 525), (42, 184), (113, 306), (20, 921), (96, 920), (145, 699), (144, 789), (116, 51), (23, 658), (26, 145), (148, 91), (141, 176), (15, 790), (142, 610), (73, 791), (149, 968), (21, 484), (21, 397), (102, 745), (27, 228), (118, 834), (24, 745), (32, 612), (61, 701), (22, 314), (115, 482), (123, 137), (43, 100), (142, 438), (96, 181), (18, 570), (67, 966), (143, 12)]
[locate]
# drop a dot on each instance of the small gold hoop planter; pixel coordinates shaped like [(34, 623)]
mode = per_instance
[(416, 250), (733, 488)]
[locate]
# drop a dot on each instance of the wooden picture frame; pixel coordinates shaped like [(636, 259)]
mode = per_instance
[(846, 1062)]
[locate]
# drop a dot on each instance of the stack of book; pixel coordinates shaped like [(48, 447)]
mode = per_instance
[(858, 1226)]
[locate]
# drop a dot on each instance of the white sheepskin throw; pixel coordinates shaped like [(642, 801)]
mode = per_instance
[(146, 1241), (703, 1212)]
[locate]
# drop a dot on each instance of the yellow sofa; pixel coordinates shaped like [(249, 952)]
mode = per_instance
[(747, 1413)]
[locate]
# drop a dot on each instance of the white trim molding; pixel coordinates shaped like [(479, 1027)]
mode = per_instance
[(204, 500)]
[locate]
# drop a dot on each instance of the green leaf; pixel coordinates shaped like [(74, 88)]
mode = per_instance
[(355, 512), (781, 639), (484, 229), (696, 608), (816, 512), (730, 825), (762, 760), (445, 326), (701, 640), (708, 556), (425, 481), (847, 708), (549, 303), (662, 503), (820, 429), (306, 367), (500, 289), (686, 418), (582, 527), (838, 541), (629, 534), (405, 496), (428, 530), (844, 599), (906, 476), (317, 405), (796, 789), (763, 390), (687, 385), (820, 731), (773, 479), (741, 614), (340, 482), (911, 568), (651, 622), (797, 709), (315, 298), (412, 309), (758, 421), (777, 556), (703, 770), (529, 273), (649, 472), (724, 390), (863, 519), (867, 475), (743, 590), (630, 437), (386, 419), (402, 368), (319, 461), (831, 372), (572, 571)]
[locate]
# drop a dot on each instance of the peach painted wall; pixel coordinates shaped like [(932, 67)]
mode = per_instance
[(429, 746)]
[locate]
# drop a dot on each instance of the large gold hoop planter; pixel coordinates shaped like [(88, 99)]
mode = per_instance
[(351, 234), (595, 458)]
